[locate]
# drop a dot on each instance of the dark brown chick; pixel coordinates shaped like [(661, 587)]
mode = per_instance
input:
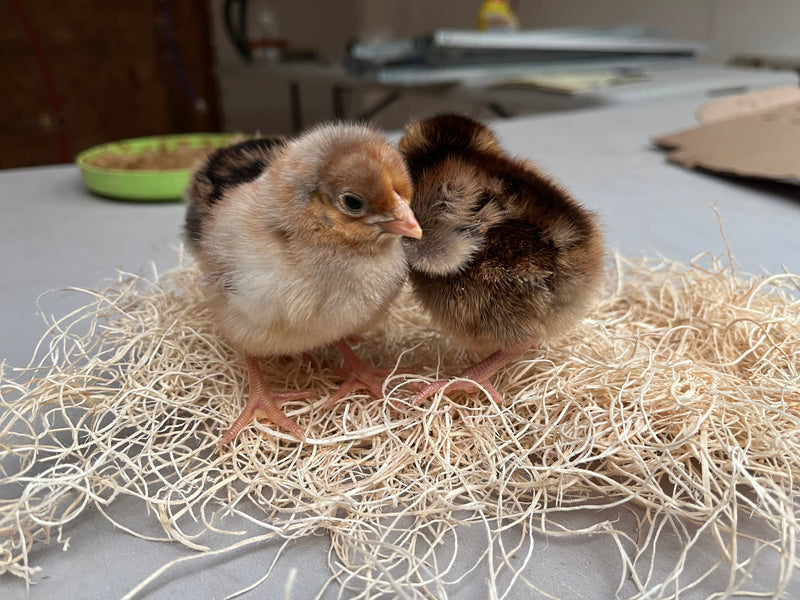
[(299, 244), (508, 259)]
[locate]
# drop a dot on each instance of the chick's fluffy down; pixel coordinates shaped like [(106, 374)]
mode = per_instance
[(508, 259), (286, 268)]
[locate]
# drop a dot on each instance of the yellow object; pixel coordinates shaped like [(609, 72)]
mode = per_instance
[(497, 15)]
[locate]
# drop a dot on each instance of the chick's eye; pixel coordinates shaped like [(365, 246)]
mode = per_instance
[(352, 203)]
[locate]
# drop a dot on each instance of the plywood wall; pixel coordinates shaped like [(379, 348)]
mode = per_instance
[(80, 72)]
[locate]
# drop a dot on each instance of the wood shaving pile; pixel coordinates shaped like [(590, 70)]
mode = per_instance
[(679, 397)]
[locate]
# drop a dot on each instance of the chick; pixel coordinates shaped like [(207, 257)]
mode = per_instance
[(298, 241), (508, 259)]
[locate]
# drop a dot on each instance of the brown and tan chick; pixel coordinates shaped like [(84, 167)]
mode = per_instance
[(508, 259), (298, 241)]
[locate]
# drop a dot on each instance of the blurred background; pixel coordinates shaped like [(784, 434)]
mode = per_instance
[(78, 73)]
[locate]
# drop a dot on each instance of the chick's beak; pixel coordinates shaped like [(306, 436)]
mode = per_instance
[(404, 222)]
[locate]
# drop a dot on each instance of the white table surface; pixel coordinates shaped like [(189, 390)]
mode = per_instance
[(54, 234)]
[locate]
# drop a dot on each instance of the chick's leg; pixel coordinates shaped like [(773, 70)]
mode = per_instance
[(358, 375), (478, 374), (263, 404)]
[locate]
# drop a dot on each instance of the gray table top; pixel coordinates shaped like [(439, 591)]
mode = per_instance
[(54, 234)]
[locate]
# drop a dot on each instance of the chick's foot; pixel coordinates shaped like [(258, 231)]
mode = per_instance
[(264, 404), (478, 376), (358, 375), (454, 385)]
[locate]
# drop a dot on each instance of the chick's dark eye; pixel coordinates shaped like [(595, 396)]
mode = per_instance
[(353, 204)]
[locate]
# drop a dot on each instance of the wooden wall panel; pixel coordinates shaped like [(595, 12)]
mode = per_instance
[(112, 70)]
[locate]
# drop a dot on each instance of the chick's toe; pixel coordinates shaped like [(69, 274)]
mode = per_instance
[(359, 375), (265, 404)]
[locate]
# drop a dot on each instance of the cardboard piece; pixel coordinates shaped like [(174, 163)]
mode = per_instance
[(745, 104), (754, 135)]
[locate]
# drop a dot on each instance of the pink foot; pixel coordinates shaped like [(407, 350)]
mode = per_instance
[(358, 375), (264, 404), (454, 385), (478, 374)]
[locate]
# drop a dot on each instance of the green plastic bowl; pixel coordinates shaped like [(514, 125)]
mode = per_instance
[(146, 185)]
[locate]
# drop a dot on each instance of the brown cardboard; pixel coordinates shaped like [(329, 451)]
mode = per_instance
[(746, 137), (744, 104)]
